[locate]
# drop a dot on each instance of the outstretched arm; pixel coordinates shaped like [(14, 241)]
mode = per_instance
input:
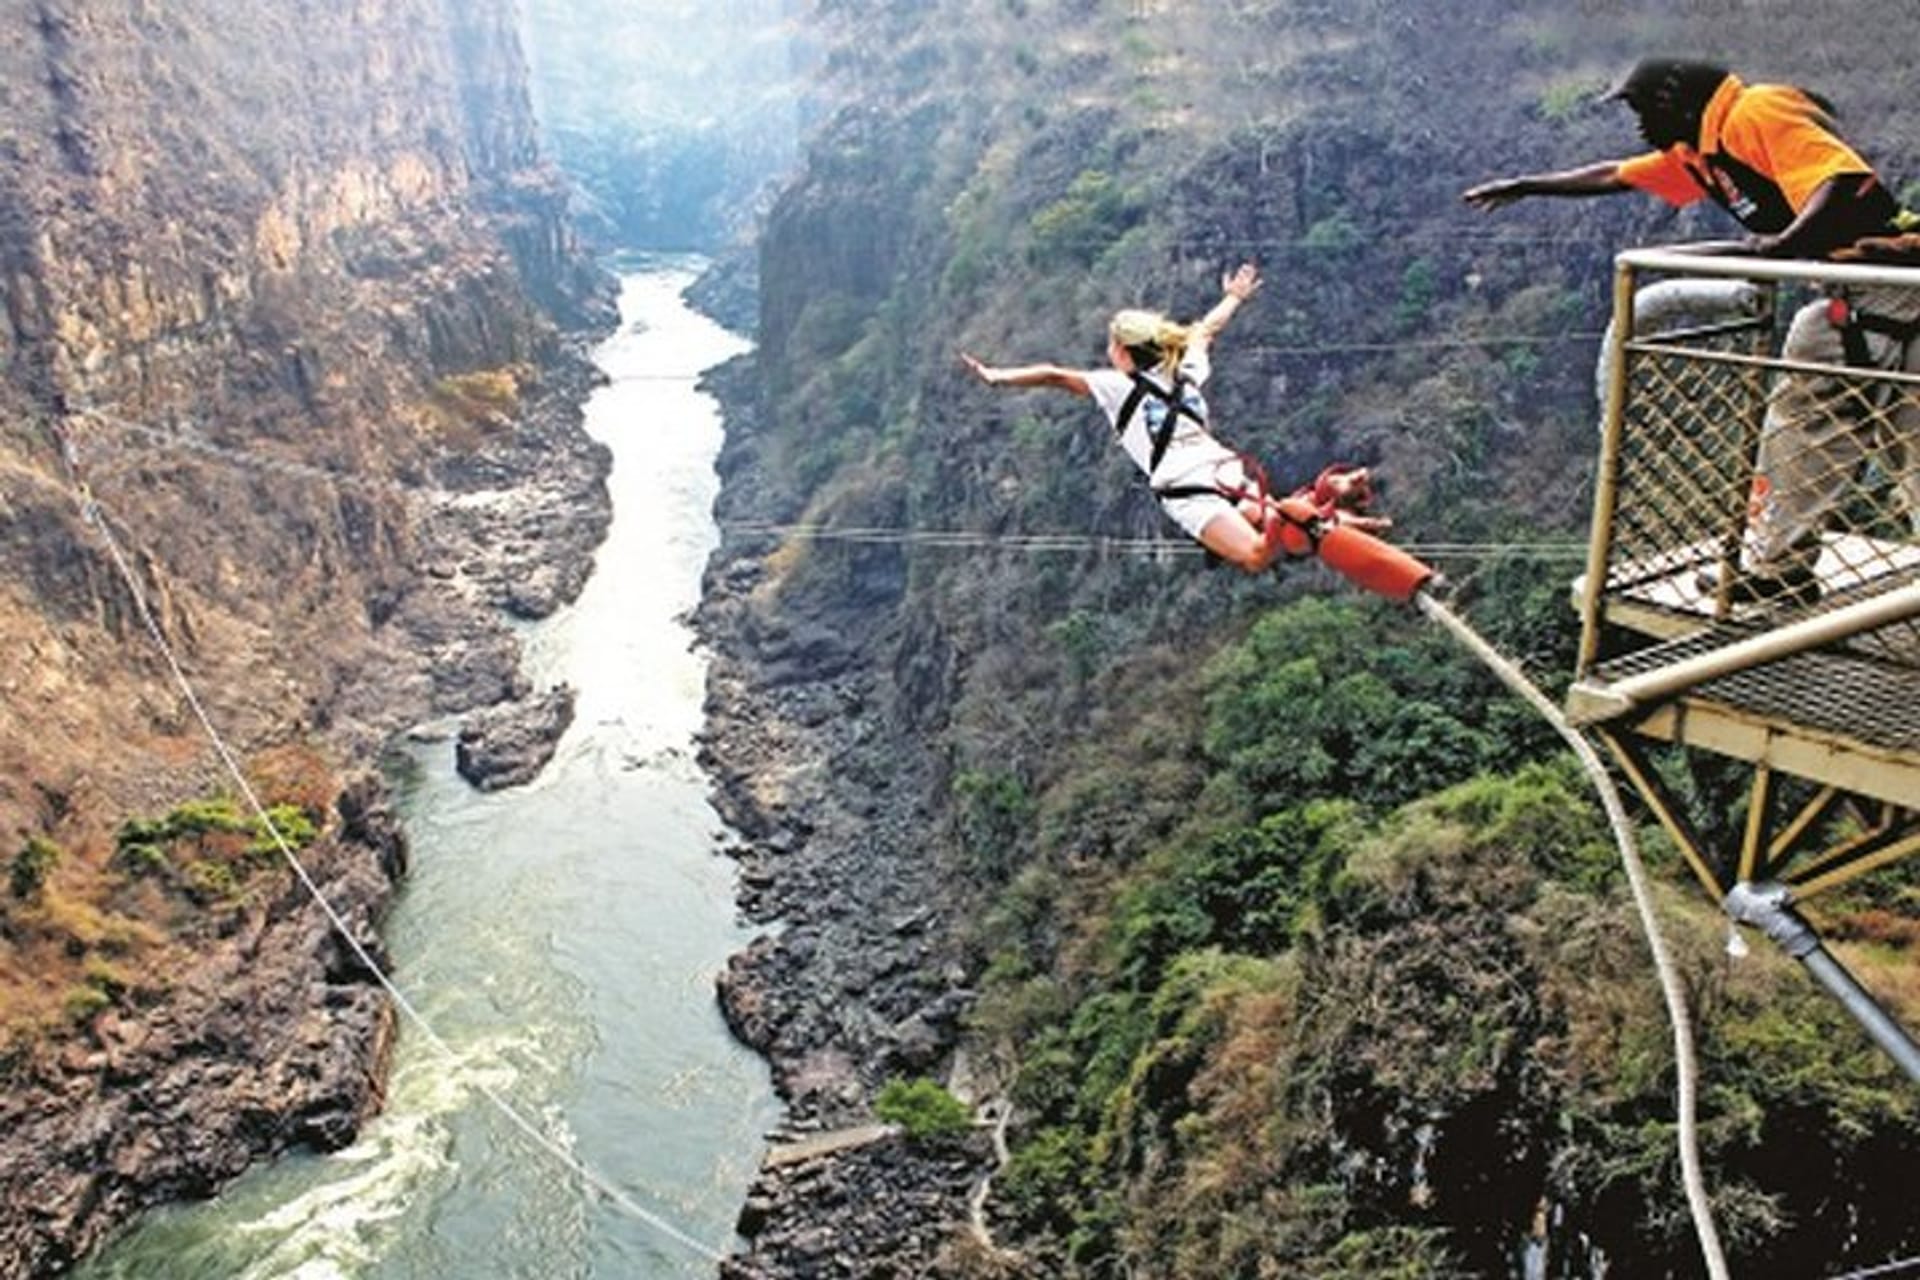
[(1028, 375), (1235, 288), (1599, 179)]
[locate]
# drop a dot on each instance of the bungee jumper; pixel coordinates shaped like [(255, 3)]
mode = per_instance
[(1151, 395), (1773, 158)]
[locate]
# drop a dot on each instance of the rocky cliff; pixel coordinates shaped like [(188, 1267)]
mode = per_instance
[(293, 293), (1285, 943)]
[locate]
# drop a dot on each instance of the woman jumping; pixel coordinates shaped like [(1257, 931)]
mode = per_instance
[(1151, 395)]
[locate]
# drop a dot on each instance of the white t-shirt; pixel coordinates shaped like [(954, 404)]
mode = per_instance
[(1192, 454)]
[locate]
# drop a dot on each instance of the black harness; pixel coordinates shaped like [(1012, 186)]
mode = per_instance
[(1252, 486), (1159, 434), (1854, 325)]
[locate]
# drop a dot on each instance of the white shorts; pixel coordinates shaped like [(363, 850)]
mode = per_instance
[(1193, 511)]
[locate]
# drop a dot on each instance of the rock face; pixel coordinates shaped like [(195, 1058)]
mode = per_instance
[(881, 1225), (864, 982), (296, 292), (508, 745), (277, 1035)]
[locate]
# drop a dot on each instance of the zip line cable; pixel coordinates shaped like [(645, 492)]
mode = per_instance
[(1686, 1071), (92, 512), (1069, 542), (1056, 542), (1686, 1085), (1425, 344)]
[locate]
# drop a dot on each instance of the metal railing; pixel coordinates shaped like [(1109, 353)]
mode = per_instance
[(1676, 545)]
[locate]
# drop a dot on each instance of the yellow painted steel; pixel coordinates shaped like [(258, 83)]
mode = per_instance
[(1634, 766), (1895, 852), (1604, 488), (1759, 814), (1805, 689), (1884, 833)]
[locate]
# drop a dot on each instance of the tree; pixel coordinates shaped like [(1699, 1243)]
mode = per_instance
[(923, 1108)]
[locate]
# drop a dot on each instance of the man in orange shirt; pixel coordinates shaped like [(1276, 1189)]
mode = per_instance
[(1773, 158)]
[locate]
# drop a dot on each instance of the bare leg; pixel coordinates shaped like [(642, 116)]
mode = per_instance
[(1233, 536)]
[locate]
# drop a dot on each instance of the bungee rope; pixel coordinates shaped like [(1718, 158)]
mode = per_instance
[(1686, 1071)]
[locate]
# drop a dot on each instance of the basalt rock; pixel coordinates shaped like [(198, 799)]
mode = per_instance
[(890, 1208), (508, 745), (269, 1040)]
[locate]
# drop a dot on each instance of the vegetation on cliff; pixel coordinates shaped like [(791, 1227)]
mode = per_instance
[(1300, 951), (279, 284)]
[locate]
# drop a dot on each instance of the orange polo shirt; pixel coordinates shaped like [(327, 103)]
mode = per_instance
[(1762, 152)]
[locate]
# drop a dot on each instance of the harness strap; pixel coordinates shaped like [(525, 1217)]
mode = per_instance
[(1176, 405), (1854, 325)]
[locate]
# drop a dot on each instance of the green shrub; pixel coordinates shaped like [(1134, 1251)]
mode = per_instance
[(1335, 233), (141, 831), (208, 881), (295, 825), (1045, 1179), (139, 858), (204, 817), (922, 1108), (1095, 212), (82, 1003), (994, 811), (1082, 636), (1419, 286), (145, 846), (32, 865), (109, 979)]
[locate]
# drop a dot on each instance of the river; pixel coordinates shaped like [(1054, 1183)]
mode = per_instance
[(562, 937)]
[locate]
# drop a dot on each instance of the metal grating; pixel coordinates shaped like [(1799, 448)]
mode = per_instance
[(1846, 694), (1687, 457)]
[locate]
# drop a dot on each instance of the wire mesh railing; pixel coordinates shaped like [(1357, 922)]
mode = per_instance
[(1763, 467)]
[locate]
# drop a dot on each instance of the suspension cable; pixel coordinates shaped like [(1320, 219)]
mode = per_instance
[(812, 531), (92, 512), (964, 539)]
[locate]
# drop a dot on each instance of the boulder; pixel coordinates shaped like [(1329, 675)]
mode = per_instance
[(508, 745)]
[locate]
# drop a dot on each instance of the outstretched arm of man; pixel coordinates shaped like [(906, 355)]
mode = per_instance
[(1598, 179)]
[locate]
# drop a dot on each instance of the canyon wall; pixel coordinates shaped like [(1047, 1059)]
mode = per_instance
[(293, 292)]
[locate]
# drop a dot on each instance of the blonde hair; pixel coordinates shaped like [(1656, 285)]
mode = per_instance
[(1150, 338)]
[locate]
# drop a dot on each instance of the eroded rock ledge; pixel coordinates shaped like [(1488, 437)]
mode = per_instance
[(862, 981), (276, 1037), (507, 745)]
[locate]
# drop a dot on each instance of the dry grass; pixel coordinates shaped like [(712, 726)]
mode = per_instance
[(97, 935), (485, 399)]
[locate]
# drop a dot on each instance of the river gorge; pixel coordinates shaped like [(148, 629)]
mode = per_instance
[(561, 937)]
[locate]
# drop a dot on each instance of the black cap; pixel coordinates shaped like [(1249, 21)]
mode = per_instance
[(1663, 80), (1670, 96)]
